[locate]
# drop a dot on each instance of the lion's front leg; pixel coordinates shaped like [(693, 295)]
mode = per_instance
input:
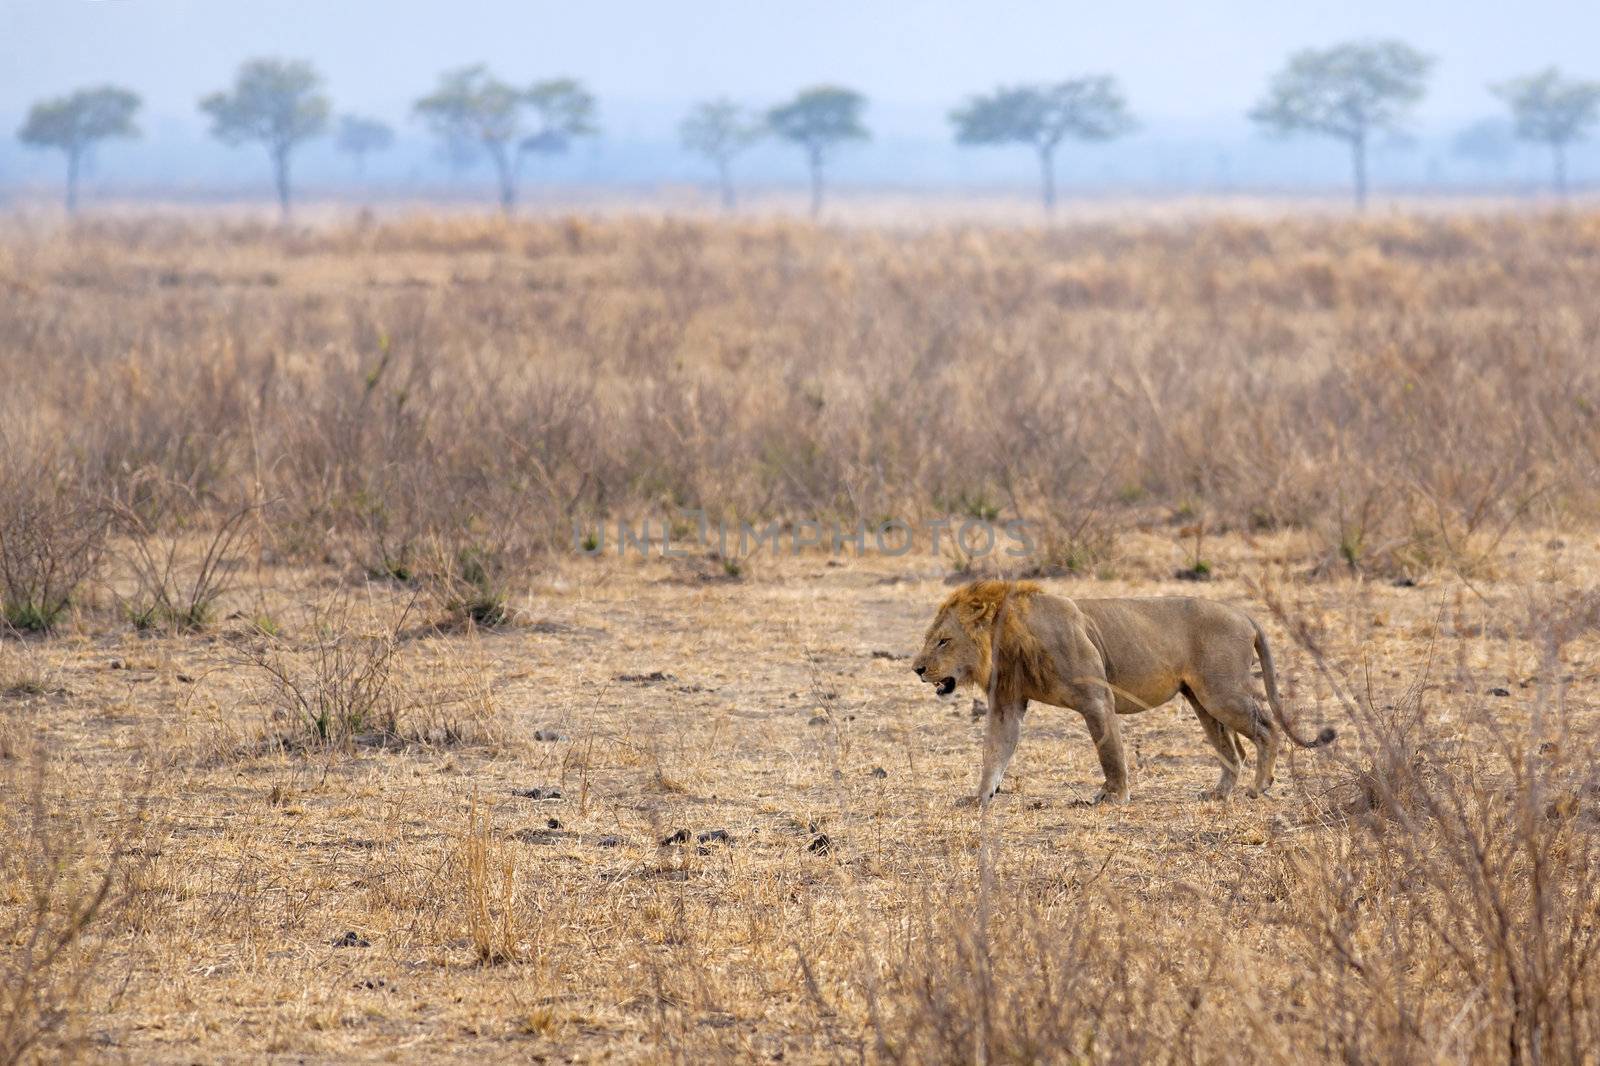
[(999, 744), (1101, 718)]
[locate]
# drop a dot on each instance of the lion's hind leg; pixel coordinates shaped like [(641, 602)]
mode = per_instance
[(1223, 741), (1238, 711)]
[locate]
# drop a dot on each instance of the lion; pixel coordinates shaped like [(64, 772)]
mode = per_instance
[(1104, 658)]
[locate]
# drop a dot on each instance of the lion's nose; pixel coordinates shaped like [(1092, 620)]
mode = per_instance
[(920, 670)]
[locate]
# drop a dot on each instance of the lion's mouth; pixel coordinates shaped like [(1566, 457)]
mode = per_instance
[(945, 686)]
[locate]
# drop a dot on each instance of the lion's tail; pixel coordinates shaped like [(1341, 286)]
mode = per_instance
[(1270, 677)]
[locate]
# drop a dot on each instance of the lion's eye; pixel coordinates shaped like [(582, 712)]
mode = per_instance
[(942, 642)]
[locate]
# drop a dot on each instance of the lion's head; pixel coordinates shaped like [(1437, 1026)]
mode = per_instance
[(958, 648)]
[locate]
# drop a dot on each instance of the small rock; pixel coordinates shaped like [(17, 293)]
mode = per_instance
[(1497, 691), (117, 664), (554, 823), (879, 772), (820, 719), (821, 844), (352, 939), (681, 836), (608, 842), (548, 735), (713, 836), (544, 793)]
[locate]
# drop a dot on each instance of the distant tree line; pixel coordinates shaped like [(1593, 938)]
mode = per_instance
[(1351, 93)]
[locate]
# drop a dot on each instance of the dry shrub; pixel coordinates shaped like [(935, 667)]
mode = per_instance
[(182, 553), (333, 682), (65, 892), (1447, 908), (996, 977), (52, 536), (334, 687), (467, 580), (1409, 388)]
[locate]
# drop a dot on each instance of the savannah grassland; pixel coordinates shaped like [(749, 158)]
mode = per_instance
[(286, 560)]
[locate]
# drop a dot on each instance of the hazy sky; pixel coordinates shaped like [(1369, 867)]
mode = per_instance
[(1178, 60)]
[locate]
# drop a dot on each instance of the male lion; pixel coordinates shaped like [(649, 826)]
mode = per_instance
[(1103, 658)]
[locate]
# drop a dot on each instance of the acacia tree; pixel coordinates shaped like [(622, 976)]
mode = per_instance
[(275, 102), (819, 120), (563, 111), (1554, 110), (1348, 92), (1042, 116), (473, 107), (358, 136), (719, 130), (76, 123)]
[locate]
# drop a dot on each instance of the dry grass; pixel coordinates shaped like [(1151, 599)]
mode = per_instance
[(306, 813)]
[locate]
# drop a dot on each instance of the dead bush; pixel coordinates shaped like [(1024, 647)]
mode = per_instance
[(330, 682), (52, 536), (67, 887), (1446, 908), (182, 553)]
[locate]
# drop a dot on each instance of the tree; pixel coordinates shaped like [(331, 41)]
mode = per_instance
[(719, 130), (358, 136), (1088, 109), (1555, 110), (564, 110), (275, 102), (819, 120), (76, 123), (1348, 92), (473, 107)]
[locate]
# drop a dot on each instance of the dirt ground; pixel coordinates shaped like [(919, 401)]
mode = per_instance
[(401, 902)]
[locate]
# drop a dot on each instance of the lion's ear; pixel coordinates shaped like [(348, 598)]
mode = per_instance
[(979, 610)]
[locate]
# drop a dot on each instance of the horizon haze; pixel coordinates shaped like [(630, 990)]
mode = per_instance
[(1189, 75)]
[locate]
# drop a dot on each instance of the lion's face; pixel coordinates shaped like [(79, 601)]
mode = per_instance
[(950, 655)]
